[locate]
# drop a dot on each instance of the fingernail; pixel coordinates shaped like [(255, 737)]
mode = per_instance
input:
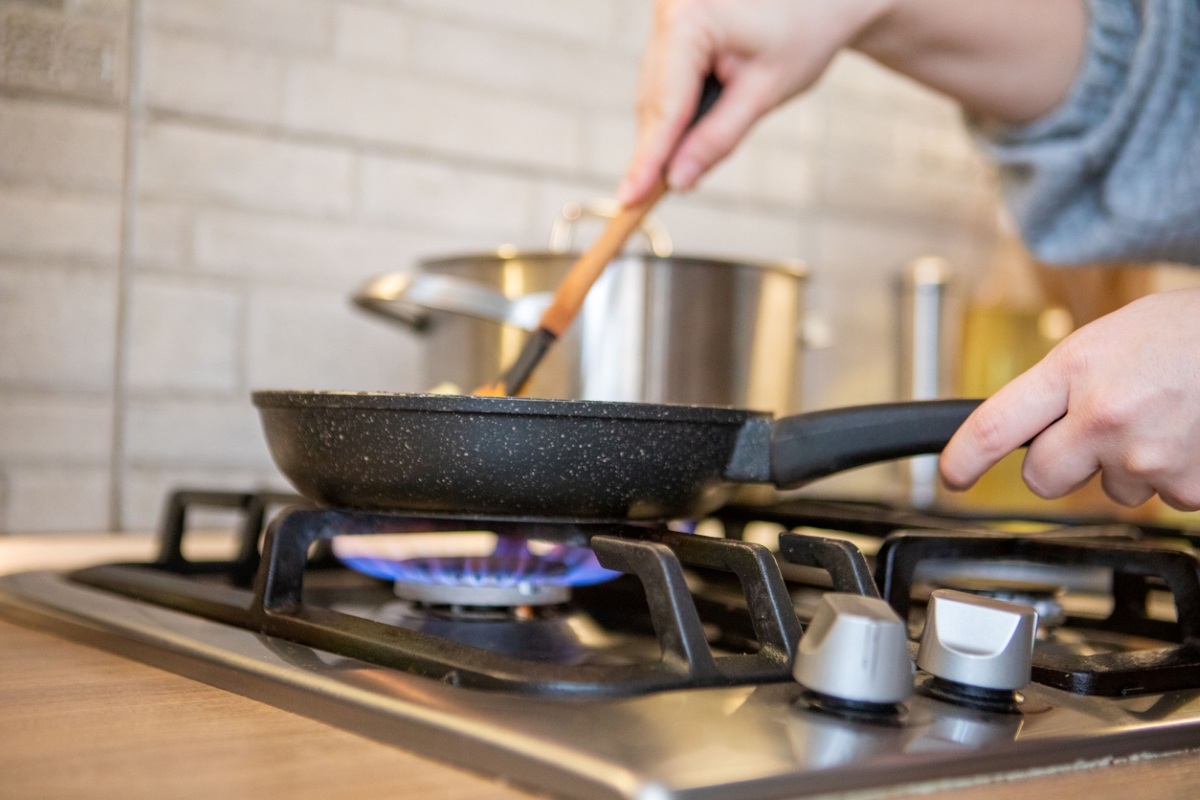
[(683, 174)]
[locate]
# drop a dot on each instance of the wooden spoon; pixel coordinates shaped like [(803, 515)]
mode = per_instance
[(569, 297)]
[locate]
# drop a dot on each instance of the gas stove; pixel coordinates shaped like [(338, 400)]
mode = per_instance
[(621, 660)]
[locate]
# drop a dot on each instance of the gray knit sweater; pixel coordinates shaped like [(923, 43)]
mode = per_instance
[(1114, 172)]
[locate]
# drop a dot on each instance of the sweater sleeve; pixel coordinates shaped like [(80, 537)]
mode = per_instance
[(1114, 172)]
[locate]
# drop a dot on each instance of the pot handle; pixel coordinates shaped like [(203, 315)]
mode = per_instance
[(409, 299), (560, 235), (810, 446)]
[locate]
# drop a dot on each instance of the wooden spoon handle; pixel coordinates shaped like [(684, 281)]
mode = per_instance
[(569, 297)]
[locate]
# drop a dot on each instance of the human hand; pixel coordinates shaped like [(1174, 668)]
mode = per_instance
[(1120, 396), (763, 52)]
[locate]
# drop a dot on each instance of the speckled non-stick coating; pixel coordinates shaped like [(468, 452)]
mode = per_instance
[(564, 459)]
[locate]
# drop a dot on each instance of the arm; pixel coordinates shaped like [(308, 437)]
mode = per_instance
[(1007, 60)]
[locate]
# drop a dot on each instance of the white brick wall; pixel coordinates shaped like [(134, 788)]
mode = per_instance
[(187, 162), (283, 250), (40, 223), (389, 109), (74, 147), (183, 337), (194, 433), (288, 26), (57, 329), (197, 76), (55, 429), (422, 195), (372, 35), (289, 149), (316, 340), (55, 498)]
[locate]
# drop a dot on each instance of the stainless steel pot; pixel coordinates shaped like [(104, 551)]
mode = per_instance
[(656, 328)]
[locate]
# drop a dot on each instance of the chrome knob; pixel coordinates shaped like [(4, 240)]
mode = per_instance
[(977, 641), (856, 649)]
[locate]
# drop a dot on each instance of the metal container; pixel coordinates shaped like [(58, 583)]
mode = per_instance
[(656, 328), (930, 327)]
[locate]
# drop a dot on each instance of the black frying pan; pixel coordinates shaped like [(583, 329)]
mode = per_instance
[(572, 459)]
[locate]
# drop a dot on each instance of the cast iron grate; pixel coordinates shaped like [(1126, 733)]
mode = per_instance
[(266, 594), (656, 556), (1137, 568)]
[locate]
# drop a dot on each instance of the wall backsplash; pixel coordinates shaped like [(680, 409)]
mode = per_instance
[(190, 190)]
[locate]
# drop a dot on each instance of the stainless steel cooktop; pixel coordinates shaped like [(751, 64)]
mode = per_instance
[(737, 734)]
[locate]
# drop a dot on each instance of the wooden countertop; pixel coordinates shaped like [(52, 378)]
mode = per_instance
[(77, 722)]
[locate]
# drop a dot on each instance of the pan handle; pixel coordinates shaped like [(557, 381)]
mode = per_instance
[(810, 446)]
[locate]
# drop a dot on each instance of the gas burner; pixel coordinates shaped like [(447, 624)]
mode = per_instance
[(521, 595), (512, 575), (1044, 598), (546, 633)]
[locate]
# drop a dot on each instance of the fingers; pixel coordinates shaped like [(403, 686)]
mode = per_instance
[(1185, 496), (678, 59), (714, 137), (1125, 488), (1014, 415), (658, 131), (1061, 459)]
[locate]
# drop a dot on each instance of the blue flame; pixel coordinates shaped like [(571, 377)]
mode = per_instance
[(509, 565)]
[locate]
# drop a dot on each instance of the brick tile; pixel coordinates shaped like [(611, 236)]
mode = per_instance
[(609, 140), (56, 144), (65, 54), (710, 230), (194, 434), (373, 106), (371, 34), (735, 175), (316, 340), (55, 499), (634, 22), (946, 150), (100, 9), (853, 249), (145, 491), (182, 162), (489, 58), (162, 235), (42, 224), (333, 255), (801, 121), (57, 328), (577, 20), (861, 186), (428, 195), (788, 176), (54, 429), (860, 133), (288, 25), (201, 77), (183, 337)]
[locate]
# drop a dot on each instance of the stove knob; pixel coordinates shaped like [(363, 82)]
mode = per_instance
[(977, 642), (856, 649)]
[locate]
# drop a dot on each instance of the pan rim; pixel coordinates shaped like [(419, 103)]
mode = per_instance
[(510, 406)]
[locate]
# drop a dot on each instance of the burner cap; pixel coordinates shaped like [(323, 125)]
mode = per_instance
[(518, 594)]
